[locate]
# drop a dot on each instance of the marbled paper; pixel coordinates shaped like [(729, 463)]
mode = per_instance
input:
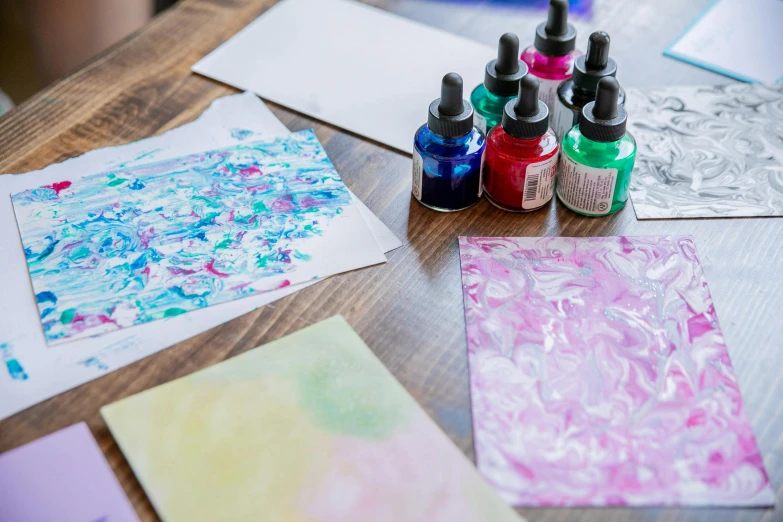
[(599, 375), (133, 245), (309, 428), (707, 151)]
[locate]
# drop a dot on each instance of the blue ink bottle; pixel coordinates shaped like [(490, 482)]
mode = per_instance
[(447, 152)]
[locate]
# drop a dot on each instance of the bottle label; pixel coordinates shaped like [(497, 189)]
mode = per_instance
[(547, 92), (418, 173), (480, 122), (481, 176), (539, 179), (586, 189), (563, 118)]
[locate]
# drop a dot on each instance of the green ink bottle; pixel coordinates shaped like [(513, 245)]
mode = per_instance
[(597, 156), (501, 83)]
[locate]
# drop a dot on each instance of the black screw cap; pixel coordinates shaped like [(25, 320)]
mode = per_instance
[(603, 119), (596, 64), (527, 117), (501, 77), (556, 37), (450, 116)]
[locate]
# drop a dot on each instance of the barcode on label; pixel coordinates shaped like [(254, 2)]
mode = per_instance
[(539, 179), (531, 187)]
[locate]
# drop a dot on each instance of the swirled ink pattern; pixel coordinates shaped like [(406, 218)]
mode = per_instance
[(707, 151), (599, 375), (133, 245)]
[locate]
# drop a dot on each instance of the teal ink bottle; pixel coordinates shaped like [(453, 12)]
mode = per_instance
[(447, 152), (501, 81), (573, 94), (597, 156)]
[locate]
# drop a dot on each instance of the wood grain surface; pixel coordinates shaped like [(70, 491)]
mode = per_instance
[(408, 311)]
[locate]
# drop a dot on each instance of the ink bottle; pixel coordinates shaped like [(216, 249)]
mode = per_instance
[(447, 152), (501, 81), (597, 156), (576, 92), (521, 157), (551, 57)]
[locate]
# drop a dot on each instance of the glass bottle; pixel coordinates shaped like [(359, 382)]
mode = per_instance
[(573, 94), (597, 156), (521, 157), (551, 57), (447, 152), (501, 81)]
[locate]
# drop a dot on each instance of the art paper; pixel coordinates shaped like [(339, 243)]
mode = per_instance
[(599, 375), (311, 427), (134, 245), (382, 78), (62, 477), (33, 372), (707, 151), (735, 38)]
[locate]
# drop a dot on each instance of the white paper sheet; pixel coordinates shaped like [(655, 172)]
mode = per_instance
[(348, 64), (50, 371), (737, 38)]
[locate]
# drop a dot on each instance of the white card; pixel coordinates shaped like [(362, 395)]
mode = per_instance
[(348, 64), (737, 38)]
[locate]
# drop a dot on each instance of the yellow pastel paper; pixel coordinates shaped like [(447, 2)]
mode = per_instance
[(309, 428)]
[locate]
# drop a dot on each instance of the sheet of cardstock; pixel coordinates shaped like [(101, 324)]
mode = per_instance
[(311, 427), (707, 151), (62, 477), (599, 375), (134, 245), (736, 38), (379, 80), (35, 373)]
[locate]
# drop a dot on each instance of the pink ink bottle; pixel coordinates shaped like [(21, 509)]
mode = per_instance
[(551, 57)]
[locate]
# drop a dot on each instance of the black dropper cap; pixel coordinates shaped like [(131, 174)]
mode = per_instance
[(596, 64), (502, 75), (603, 120), (526, 117), (450, 116), (556, 37)]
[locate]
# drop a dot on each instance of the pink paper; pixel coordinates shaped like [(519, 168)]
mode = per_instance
[(599, 375), (62, 477)]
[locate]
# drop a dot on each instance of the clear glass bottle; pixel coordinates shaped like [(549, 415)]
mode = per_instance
[(597, 157), (447, 152), (501, 81)]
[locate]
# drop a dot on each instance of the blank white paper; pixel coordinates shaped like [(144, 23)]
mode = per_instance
[(357, 67), (742, 39)]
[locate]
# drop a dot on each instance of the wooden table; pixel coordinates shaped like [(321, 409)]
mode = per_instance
[(409, 311)]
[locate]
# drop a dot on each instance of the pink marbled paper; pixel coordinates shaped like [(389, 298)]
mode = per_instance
[(599, 375)]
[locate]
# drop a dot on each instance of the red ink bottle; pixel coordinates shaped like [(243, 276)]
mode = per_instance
[(520, 160)]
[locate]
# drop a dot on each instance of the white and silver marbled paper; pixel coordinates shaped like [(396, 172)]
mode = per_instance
[(707, 151)]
